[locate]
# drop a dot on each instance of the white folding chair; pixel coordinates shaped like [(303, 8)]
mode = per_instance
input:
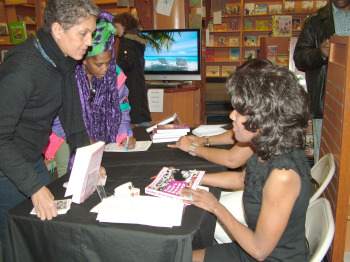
[(322, 173), (319, 227)]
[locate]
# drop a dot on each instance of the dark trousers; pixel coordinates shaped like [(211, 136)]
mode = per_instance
[(10, 196)]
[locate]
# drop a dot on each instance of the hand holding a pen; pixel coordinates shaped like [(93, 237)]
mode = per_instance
[(129, 142)]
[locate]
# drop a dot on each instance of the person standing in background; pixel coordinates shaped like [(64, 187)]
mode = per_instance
[(311, 56), (131, 59), (37, 82)]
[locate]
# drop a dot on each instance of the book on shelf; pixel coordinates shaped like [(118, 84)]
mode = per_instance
[(211, 40), (261, 24), (170, 181), (18, 32), (233, 24), (227, 70), (289, 7), (281, 25), (220, 27), (174, 118), (249, 54), (249, 8), (250, 41), (234, 54), (209, 55), (213, 71), (231, 9), (85, 172), (272, 50), (248, 24), (275, 9), (210, 26), (4, 29), (320, 4), (307, 6), (221, 41), (233, 41), (260, 9), (296, 24)]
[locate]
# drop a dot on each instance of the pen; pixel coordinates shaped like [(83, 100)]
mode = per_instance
[(127, 140)]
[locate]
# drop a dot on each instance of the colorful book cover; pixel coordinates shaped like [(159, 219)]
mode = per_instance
[(233, 41), (170, 181), (261, 9), (248, 24), (249, 54), (289, 7), (296, 24), (320, 4), (262, 25), (213, 71), (233, 24), (18, 32), (227, 70), (195, 21), (221, 41), (307, 6), (210, 56), (234, 54), (210, 26), (272, 50), (250, 41), (3, 29), (231, 9), (275, 9), (220, 27), (282, 25), (249, 8)]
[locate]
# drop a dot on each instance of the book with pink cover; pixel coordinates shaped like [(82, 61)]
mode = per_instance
[(170, 181), (169, 128), (85, 172)]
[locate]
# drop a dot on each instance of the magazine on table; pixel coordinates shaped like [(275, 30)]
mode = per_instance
[(170, 181)]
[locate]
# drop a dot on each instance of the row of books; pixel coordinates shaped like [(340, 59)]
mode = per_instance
[(215, 70), (289, 7), (16, 30), (169, 132), (233, 55), (233, 41)]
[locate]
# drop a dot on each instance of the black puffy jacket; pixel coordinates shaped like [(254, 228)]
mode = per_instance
[(308, 57)]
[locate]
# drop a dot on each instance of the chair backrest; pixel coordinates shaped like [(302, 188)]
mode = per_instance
[(322, 172), (163, 60), (181, 61), (319, 228)]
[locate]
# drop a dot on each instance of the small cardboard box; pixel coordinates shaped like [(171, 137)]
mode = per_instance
[(5, 39)]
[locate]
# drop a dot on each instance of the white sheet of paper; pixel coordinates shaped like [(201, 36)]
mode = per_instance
[(155, 100), (217, 17), (164, 7), (140, 146), (144, 210), (209, 130)]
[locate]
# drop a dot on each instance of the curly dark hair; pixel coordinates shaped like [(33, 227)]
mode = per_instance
[(277, 107), (68, 13), (126, 20)]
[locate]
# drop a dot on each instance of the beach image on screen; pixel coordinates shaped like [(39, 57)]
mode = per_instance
[(178, 55)]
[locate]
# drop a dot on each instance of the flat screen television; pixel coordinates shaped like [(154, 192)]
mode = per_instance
[(173, 55)]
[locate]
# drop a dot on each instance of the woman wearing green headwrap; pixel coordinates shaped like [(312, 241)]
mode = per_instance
[(103, 93)]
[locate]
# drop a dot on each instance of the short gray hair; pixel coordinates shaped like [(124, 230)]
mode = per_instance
[(68, 13)]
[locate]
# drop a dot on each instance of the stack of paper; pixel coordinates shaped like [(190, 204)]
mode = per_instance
[(144, 210), (169, 132), (209, 130), (139, 146)]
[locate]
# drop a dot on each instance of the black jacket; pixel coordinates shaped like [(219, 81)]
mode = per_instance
[(308, 57), (131, 59)]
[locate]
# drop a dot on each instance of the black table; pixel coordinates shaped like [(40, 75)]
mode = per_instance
[(77, 236)]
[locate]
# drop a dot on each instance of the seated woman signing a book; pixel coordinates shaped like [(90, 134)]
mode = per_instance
[(271, 111), (102, 90)]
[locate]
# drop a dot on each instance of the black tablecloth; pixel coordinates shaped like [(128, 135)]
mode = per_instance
[(77, 236)]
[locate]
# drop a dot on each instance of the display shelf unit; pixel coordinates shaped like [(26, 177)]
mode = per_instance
[(250, 21)]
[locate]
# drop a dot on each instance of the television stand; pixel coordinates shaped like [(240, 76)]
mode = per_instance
[(170, 84)]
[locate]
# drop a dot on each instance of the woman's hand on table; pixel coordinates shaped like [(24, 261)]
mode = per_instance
[(183, 143), (43, 202), (200, 198), (132, 142)]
